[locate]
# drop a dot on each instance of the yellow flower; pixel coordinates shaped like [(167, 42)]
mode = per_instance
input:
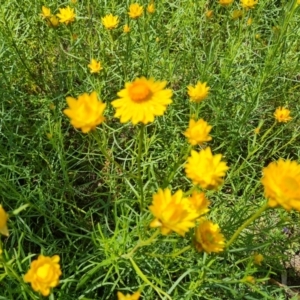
[(208, 237), (258, 258), (151, 8), (237, 14), (199, 203), (110, 21), (134, 296), (256, 130), (248, 3), (282, 115), (206, 169), (95, 66), (199, 92), (44, 274), (142, 100), (249, 21), (298, 2), (86, 112), (3, 221), (249, 279), (198, 132), (53, 21), (209, 14), (281, 181), (172, 212), (135, 11), (126, 28), (46, 12), (66, 15), (225, 2)]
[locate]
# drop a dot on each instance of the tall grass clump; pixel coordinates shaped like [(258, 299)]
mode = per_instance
[(149, 149)]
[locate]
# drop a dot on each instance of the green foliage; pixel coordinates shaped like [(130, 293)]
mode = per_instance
[(82, 192)]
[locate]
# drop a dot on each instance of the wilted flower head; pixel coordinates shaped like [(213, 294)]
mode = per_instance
[(86, 112), (134, 296), (110, 21), (249, 279), (258, 258), (282, 115), (237, 14), (249, 21), (53, 21), (206, 169), (44, 274), (3, 221), (126, 28), (66, 15), (208, 237), (151, 8), (248, 3), (46, 12), (225, 2), (198, 132), (281, 181), (142, 100), (172, 212), (135, 10), (199, 92), (95, 66)]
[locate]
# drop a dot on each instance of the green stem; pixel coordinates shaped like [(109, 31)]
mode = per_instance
[(246, 223), (268, 131), (142, 244), (145, 279), (139, 158)]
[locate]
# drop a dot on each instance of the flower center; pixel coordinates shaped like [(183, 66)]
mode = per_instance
[(43, 271), (139, 92)]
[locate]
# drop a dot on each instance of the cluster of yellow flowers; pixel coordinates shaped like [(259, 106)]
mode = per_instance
[(244, 3), (66, 15)]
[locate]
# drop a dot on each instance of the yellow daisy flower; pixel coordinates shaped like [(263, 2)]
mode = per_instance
[(126, 28), (110, 21), (134, 296), (172, 212), (258, 258), (151, 8), (208, 237), (225, 2), (53, 21), (3, 221), (209, 14), (205, 169), (46, 12), (86, 112), (199, 203), (248, 3), (66, 15), (281, 181), (95, 66), (198, 132), (142, 100), (135, 11), (282, 115), (199, 92), (44, 274)]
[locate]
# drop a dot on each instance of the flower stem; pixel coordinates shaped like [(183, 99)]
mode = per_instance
[(141, 243), (146, 280), (246, 223), (139, 158)]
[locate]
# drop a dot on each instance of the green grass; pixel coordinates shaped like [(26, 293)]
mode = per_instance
[(84, 205)]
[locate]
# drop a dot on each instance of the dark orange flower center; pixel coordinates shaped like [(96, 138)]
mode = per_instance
[(139, 92)]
